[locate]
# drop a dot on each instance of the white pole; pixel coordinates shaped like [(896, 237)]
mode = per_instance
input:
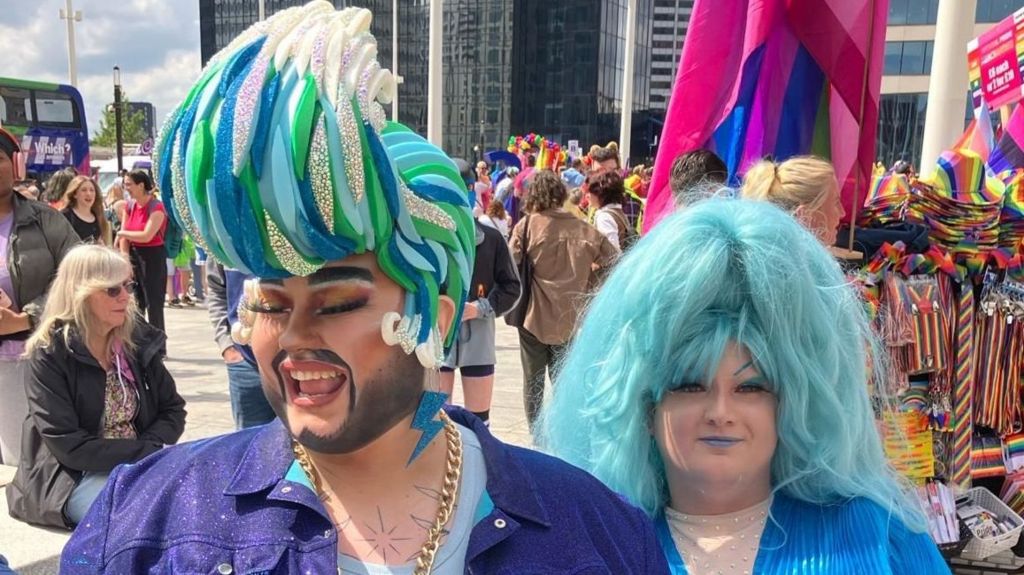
[(947, 96), (394, 59), (434, 72), (627, 83), (69, 14), (263, 10)]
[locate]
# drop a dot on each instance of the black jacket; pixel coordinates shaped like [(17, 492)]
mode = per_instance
[(494, 274), (40, 237), (63, 436)]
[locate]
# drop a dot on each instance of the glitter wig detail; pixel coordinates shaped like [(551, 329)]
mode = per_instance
[(727, 271), (281, 159)]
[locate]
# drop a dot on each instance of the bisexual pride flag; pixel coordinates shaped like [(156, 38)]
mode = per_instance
[(776, 78)]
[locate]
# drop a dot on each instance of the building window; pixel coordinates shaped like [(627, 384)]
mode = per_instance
[(901, 127), (893, 54), (913, 12), (996, 10), (908, 58)]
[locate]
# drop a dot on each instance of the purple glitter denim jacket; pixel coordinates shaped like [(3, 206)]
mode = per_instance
[(223, 505)]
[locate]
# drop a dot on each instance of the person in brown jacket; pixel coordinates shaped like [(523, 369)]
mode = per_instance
[(565, 253)]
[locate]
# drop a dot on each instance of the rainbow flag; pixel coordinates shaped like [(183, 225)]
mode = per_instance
[(778, 78)]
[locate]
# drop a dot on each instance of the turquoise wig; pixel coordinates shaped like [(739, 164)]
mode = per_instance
[(280, 160), (726, 271)]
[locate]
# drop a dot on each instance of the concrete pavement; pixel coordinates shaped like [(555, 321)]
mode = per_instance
[(202, 381)]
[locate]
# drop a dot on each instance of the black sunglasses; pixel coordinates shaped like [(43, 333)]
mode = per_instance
[(115, 291)]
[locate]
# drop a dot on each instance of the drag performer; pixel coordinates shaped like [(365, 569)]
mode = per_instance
[(719, 382), (280, 163)]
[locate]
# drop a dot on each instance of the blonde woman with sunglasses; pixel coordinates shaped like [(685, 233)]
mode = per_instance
[(99, 394)]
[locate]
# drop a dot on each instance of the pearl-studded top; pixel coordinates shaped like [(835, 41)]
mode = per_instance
[(719, 544)]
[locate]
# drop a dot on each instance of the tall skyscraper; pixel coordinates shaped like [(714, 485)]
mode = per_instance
[(510, 66), (671, 20)]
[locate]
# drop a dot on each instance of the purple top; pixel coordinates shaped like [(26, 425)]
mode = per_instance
[(226, 504), (10, 350)]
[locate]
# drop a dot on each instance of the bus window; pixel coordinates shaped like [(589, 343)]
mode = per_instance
[(55, 109), (15, 106)]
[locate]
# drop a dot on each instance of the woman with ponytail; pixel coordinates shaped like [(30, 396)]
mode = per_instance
[(804, 186)]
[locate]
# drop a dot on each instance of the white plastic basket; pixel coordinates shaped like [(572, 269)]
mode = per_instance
[(979, 549)]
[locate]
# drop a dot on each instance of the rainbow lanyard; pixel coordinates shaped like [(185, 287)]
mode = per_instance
[(897, 330), (1000, 344)]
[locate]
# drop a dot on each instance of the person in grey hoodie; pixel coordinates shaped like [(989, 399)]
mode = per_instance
[(494, 290)]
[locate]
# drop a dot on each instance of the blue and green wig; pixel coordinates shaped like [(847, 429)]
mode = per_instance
[(727, 271), (280, 160)]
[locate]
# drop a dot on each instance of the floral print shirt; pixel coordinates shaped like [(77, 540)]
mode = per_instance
[(120, 406)]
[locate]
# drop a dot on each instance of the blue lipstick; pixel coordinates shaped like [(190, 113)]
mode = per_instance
[(719, 442)]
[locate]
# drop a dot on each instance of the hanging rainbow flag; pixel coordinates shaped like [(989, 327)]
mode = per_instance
[(779, 78)]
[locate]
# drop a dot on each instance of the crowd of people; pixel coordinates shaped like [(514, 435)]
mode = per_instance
[(696, 373)]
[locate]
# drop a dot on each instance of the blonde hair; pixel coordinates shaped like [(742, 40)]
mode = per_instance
[(801, 181), (86, 269), (71, 200), (115, 193)]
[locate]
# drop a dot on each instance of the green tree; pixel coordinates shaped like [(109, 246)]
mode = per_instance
[(132, 125)]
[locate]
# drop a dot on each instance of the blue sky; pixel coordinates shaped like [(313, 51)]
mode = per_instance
[(155, 42)]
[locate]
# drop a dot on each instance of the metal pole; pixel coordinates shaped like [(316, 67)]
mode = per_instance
[(68, 13), (435, 130), (482, 125), (117, 119), (627, 83), (263, 10), (394, 59)]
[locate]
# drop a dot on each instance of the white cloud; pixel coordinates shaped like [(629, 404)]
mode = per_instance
[(155, 42)]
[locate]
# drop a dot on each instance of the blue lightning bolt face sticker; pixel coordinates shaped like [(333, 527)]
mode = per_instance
[(426, 420)]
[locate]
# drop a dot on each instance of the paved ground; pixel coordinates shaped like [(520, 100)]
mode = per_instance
[(202, 381)]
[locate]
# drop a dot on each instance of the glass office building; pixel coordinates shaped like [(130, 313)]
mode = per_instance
[(510, 66), (910, 42)]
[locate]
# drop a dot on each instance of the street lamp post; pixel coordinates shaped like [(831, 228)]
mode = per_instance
[(394, 59), (117, 118), (72, 16), (482, 124), (435, 86), (626, 131)]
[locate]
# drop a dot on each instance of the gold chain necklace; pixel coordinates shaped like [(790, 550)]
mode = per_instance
[(449, 490)]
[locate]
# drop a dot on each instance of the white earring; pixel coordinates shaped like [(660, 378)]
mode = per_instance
[(388, 327), (431, 353), (400, 330)]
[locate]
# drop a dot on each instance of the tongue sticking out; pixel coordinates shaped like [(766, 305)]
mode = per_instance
[(320, 386)]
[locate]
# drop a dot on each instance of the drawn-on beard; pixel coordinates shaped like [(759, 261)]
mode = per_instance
[(373, 408)]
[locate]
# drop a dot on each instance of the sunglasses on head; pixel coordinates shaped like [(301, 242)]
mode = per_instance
[(128, 286)]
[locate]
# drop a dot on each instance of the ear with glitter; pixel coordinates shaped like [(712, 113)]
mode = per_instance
[(241, 331), (400, 330), (389, 328)]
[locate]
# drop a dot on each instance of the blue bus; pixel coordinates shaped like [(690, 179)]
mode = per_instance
[(50, 120)]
